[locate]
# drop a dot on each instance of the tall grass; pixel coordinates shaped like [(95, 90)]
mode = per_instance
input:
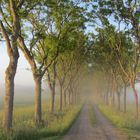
[(125, 121), (55, 124)]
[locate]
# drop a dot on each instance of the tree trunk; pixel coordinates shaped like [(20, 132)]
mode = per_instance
[(113, 93), (136, 108), (65, 99), (107, 95), (61, 98), (72, 97), (53, 100), (52, 89), (38, 104), (113, 99), (69, 98), (9, 91), (119, 101), (75, 97), (124, 98), (104, 97), (136, 102), (107, 101)]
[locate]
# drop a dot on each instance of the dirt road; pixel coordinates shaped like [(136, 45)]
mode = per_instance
[(102, 130)]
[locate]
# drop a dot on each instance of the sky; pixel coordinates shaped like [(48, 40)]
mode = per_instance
[(23, 76)]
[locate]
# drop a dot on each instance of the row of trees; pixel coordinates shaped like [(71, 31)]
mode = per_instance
[(116, 49), (50, 34)]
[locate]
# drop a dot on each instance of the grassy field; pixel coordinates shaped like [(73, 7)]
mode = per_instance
[(124, 121), (53, 126)]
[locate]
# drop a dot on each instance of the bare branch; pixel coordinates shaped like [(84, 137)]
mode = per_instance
[(53, 59), (26, 52)]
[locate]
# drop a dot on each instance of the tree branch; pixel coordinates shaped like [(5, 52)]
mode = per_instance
[(3, 16), (8, 44)]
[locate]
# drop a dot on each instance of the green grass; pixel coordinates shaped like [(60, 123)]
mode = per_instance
[(53, 138), (53, 127), (60, 126), (124, 121)]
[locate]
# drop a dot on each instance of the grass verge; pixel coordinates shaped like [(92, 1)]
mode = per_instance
[(53, 128), (124, 121)]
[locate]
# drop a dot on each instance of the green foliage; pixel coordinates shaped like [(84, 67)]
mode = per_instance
[(126, 11), (111, 48)]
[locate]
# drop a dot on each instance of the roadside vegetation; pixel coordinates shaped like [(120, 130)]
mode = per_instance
[(124, 121), (55, 125), (114, 55)]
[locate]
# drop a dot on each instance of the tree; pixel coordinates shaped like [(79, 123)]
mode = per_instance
[(122, 46), (124, 56), (68, 21), (39, 58), (51, 78), (124, 12), (42, 48), (10, 28)]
